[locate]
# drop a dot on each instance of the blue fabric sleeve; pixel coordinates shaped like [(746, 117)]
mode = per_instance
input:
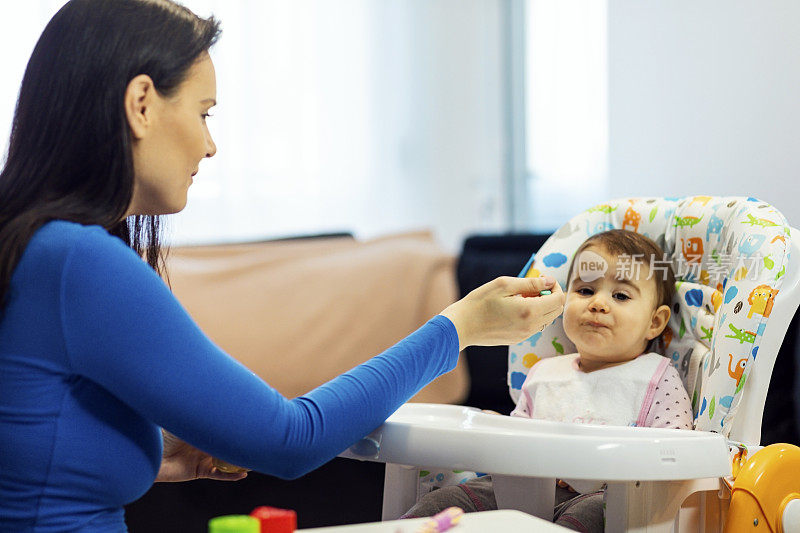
[(124, 330)]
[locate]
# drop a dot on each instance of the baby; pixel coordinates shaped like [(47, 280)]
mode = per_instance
[(618, 300)]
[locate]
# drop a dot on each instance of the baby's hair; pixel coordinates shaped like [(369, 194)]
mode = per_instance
[(624, 242)]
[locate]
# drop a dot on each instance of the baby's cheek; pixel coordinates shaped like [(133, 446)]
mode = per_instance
[(569, 323)]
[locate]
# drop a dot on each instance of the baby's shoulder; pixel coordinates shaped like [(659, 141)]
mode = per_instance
[(671, 375)]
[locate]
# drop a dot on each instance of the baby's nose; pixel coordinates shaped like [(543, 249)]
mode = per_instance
[(599, 303)]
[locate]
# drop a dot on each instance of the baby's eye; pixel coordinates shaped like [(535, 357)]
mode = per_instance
[(206, 115), (621, 296), (585, 291)]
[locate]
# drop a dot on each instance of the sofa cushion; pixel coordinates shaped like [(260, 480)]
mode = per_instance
[(300, 312)]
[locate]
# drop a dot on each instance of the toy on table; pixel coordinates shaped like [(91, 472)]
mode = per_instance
[(237, 523), (262, 520), (442, 521), (275, 520)]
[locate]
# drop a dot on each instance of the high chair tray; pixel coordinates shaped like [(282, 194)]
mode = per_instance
[(465, 438)]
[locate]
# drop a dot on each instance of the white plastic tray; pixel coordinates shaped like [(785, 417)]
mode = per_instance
[(464, 438)]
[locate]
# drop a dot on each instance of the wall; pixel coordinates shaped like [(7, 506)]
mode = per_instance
[(371, 117), (703, 98)]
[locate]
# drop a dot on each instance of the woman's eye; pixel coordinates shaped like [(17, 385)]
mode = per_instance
[(206, 115), (621, 296)]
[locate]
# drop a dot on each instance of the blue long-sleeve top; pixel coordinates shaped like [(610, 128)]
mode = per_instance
[(96, 356)]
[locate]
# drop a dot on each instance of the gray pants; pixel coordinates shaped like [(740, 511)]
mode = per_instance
[(578, 512)]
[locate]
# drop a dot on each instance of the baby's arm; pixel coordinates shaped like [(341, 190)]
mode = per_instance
[(671, 407)]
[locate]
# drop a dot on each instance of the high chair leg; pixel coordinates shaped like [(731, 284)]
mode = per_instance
[(650, 506), (399, 490), (531, 495), (703, 512)]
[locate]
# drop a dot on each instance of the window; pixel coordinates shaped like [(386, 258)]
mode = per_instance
[(353, 115), (564, 51)]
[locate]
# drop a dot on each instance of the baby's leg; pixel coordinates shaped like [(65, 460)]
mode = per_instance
[(474, 495), (579, 512)]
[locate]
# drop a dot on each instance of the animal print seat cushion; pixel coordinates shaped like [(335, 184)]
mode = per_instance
[(729, 255)]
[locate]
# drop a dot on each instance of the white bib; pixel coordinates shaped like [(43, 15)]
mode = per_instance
[(558, 390)]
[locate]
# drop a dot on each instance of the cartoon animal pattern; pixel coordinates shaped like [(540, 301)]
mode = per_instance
[(761, 300), (632, 219), (737, 372), (738, 250), (692, 249)]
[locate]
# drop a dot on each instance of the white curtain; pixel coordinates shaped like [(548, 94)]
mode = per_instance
[(566, 59), (370, 116)]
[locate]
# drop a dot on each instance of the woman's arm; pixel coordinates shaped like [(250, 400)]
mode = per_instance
[(125, 331)]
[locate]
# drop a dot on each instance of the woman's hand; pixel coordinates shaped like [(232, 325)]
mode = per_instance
[(183, 462), (505, 311)]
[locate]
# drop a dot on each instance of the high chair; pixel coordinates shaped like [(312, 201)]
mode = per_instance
[(737, 272)]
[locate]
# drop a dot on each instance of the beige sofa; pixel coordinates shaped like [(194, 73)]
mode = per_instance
[(300, 312)]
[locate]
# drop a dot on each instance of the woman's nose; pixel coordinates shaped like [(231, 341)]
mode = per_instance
[(211, 147)]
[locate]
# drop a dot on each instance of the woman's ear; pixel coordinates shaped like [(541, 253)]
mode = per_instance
[(658, 322), (139, 100)]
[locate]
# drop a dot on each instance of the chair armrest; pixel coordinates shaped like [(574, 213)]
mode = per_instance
[(457, 437)]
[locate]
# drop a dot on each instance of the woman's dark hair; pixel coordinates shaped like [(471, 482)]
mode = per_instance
[(69, 155)]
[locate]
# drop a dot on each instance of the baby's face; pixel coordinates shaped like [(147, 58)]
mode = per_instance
[(610, 308)]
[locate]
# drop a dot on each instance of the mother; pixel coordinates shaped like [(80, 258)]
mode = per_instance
[(96, 355)]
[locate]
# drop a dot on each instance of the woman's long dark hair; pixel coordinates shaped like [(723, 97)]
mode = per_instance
[(69, 156)]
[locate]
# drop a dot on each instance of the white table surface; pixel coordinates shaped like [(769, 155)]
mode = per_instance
[(504, 520)]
